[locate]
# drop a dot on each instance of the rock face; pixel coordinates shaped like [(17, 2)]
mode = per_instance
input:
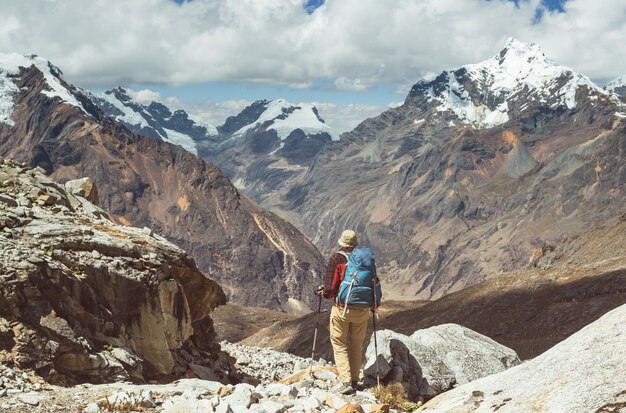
[(584, 373), (258, 258), (84, 299), (435, 360), (464, 181)]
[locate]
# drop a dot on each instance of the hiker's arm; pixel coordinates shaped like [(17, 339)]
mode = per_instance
[(330, 274)]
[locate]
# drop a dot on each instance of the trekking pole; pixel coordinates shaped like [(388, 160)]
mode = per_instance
[(376, 349), (317, 323)]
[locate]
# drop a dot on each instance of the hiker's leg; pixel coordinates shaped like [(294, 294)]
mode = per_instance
[(358, 327), (339, 327)]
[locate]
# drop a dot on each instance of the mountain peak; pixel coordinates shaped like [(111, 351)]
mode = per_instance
[(284, 117), (617, 85), (10, 66), (485, 94)]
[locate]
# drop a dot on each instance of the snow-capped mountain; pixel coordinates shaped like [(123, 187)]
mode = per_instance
[(11, 65), (155, 119), (617, 85), (487, 94), (282, 117)]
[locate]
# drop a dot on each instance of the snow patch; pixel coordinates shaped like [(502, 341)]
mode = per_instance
[(10, 64), (620, 114), (210, 129), (129, 116), (181, 139)]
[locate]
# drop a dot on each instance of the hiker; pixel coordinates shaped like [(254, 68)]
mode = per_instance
[(353, 292)]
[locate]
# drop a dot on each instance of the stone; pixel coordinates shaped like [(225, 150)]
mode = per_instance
[(350, 408), (223, 407), (334, 401), (276, 389), (10, 201), (31, 399), (180, 405), (92, 408), (372, 408), (84, 187), (584, 372), (243, 360), (308, 403), (242, 396), (434, 360), (268, 406)]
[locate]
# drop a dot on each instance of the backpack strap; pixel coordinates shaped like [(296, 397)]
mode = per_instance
[(345, 254)]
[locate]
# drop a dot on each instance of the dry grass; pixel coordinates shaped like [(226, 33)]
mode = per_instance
[(394, 396)]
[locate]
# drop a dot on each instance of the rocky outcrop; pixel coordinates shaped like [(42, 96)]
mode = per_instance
[(258, 258), (584, 373), (434, 360), (84, 299)]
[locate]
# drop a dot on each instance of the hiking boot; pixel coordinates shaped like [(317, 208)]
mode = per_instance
[(344, 388), (357, 386)]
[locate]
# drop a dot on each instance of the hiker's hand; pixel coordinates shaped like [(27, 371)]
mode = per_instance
[(320, 291)]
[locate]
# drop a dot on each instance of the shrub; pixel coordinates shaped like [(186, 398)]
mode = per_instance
[(394, 396)]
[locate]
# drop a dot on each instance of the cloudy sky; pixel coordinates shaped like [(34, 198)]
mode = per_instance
[(353, 58)]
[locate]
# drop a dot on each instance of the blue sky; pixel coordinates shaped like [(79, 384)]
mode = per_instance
[(352, 58)]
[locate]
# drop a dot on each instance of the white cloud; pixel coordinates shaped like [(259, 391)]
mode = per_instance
[(344, 118), (360, 43), (145, 96)]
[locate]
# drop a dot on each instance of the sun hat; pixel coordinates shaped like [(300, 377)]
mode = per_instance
[(348, 239)]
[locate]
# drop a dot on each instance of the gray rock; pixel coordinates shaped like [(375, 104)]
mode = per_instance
[(268, 406), (8, 200), (243, 360), (436, 359), (85, 188), (583, 373)]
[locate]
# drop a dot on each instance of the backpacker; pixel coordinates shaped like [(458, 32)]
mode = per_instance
[(360, 285)]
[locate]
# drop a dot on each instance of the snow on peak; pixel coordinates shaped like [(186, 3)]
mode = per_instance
[(287, 117), (10, 64), (133, 109), (519, 71), (617, 83)]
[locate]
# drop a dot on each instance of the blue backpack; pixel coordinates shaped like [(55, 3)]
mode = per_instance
[(360, 285)]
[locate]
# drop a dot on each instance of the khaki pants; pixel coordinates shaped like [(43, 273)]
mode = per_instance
[(347, 335)]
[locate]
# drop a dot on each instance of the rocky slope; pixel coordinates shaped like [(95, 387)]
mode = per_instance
[(84, 299), (258, 259), (477, 169), (582, 374), (233, 322), (529, 310)]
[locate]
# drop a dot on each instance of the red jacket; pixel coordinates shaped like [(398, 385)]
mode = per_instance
[(334, 272)]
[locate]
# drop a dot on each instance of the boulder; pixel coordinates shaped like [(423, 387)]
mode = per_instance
[(584, 373), (436, 359), (85, 188)]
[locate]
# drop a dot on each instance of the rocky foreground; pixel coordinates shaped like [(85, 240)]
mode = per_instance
[(85, 300)]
